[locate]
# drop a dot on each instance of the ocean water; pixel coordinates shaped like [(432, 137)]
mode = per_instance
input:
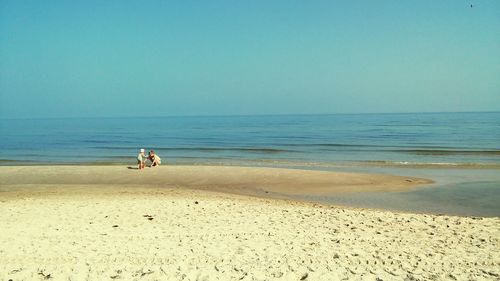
[(355, 142), (441, 139), (478, 198)]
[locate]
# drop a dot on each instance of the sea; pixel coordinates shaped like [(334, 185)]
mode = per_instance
[(459, 151)]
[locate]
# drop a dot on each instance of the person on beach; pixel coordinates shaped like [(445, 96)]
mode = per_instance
[(141, 158), (155, 159)]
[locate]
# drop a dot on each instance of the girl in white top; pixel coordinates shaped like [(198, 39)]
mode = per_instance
[(141, 159)]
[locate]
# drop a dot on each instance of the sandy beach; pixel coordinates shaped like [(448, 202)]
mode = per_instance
[(229, 179), (225, 223)]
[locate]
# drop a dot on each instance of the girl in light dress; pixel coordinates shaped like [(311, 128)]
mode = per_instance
[(141, 158)]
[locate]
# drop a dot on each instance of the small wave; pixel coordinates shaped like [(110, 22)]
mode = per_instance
[(121, 157), (399, 148), (448, 152), (14, 161), (111, 140), (241, 149), (330, 145), (206, 149), (429, 164)]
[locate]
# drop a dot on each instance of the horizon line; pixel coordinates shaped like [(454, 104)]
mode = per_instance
[(244, 115)]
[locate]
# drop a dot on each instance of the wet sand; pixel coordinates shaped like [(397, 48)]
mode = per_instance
[(239, 180)]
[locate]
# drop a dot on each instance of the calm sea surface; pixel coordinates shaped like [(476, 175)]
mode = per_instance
[(431, 144)]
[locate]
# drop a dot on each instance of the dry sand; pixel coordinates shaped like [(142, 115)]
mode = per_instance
[(53, 226)]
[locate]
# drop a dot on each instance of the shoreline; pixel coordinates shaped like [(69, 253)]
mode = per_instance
[(275, 163)]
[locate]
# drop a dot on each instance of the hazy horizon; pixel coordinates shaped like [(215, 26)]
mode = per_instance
[(253, 115), (226, 58)]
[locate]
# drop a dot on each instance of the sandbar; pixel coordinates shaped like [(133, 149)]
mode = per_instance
[(239, 180)]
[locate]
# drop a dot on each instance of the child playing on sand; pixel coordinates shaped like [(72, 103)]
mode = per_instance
[(141, 159), (155, 159)]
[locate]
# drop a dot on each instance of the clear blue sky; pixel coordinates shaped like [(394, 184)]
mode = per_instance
[(159, 58)]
